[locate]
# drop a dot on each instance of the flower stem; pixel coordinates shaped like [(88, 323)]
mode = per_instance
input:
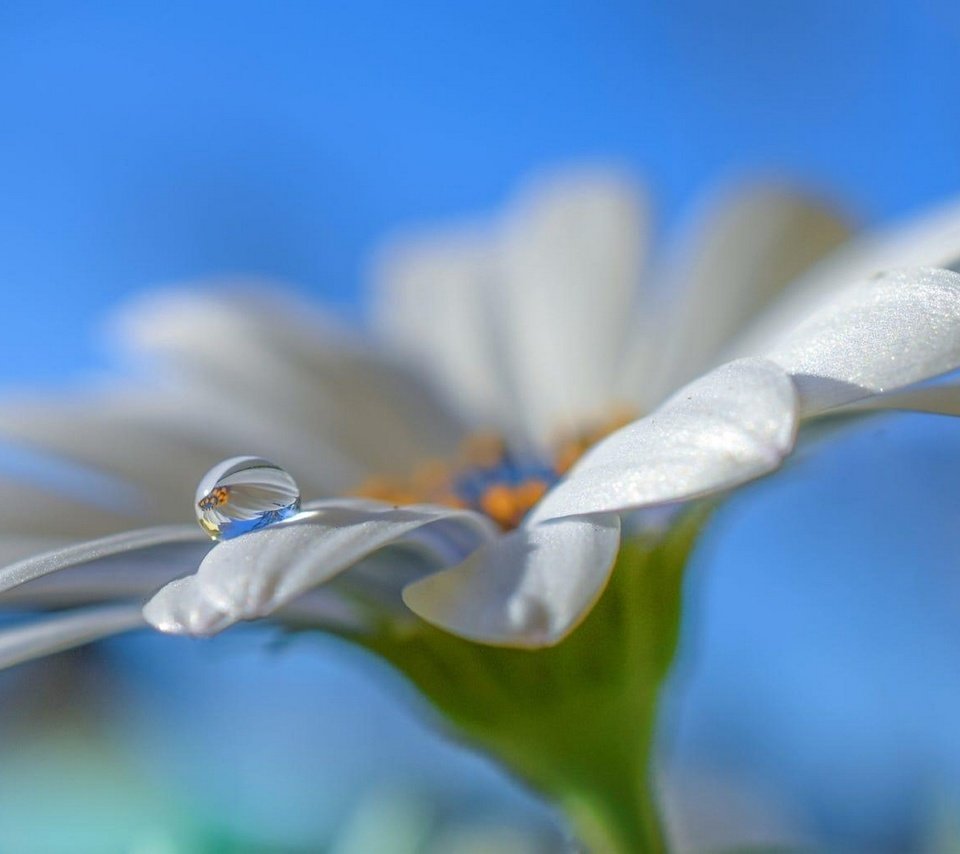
[(616, 809), (605, 827), (576, 721)]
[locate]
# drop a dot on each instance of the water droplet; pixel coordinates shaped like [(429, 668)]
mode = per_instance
[(243, 494)]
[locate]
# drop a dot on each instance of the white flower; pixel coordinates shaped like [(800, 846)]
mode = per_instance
[(535, 325)]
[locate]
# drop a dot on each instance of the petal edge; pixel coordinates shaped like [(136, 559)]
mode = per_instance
[(732, 425), (528, 589)]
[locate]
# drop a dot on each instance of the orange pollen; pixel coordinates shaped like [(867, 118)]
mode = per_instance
[(486, 475), (507, 505), (218, 496)]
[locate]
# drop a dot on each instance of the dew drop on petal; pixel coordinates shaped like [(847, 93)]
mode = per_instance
[(243, 494)]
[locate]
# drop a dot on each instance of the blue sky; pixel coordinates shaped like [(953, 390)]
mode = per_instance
[(149, 142)]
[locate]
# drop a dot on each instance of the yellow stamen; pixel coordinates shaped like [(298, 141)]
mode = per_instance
[(499, 503), (529, 493), (217, 498), (483, 476)]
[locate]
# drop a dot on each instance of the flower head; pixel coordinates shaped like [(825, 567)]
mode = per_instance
[(536, 333)]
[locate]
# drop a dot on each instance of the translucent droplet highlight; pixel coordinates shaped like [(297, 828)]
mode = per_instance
[(243, 494)]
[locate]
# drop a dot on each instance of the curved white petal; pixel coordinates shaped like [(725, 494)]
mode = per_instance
[(432, 304), (250, 353), (134, 575), (126, 557), (254, 575), (530, 588), (144, 452), (741, 251), (15, 548), (64, 630), (41, 512), (877, 335), (574, 248), (929, 240), (525, 320), (940, 399), (730, 426)]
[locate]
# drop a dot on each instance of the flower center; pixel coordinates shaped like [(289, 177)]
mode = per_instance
[(488, 476)]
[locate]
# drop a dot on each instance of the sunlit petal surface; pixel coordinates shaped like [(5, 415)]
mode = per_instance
[(730, 426), (745, 247), (929, 239), (876, 335)]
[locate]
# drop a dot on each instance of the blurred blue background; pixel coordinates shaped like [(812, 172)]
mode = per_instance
[(155, 142)]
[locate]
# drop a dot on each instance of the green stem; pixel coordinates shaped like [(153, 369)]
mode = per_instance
[(576, 721), (605, 826), (605, 785)]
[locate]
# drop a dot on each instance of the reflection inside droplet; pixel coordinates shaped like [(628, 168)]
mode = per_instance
[(242, 494)]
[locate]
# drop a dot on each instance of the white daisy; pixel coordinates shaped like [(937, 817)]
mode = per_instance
[(543, 327)]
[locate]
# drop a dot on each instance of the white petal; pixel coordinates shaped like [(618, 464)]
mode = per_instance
[(743, 249), (929, 240), (877, 335), (941, 399), (27, 510), (182, 608), (143, 451), (173, 549), (64, 630), (432, 303), (133, 575), (530, 588), (573, 254), (732, 425), (526, 321), (250, 354), (118, 457), (254, 575), (15, 548)]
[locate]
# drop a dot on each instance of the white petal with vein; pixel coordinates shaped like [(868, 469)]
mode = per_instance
[(64, 630), (742, 251), (255, 574), (530, 588), (573, 254), (187, 542), (876, 335), (252, 353), (155, 442), (525, 320), (941, 399), (732, 425), (929, 240), (432, 302)]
